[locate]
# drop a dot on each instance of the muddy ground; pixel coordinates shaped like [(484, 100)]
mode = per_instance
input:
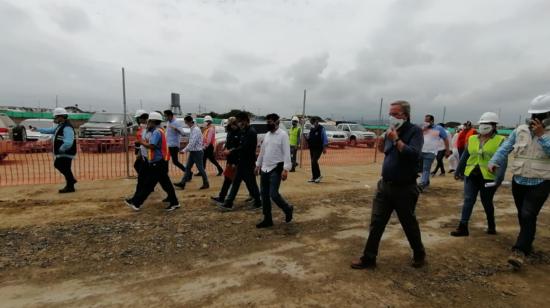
[(88, 249)]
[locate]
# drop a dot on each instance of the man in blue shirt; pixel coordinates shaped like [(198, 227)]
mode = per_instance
[(397, 190), (433, 136), (196, 153), (530, 146), (174, 131), (64, 147), (154, 149), (317, 142)]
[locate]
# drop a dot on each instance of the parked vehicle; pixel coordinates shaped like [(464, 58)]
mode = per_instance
[(107, 125), (358, 134), (29, 124), (335, 136), (6, 126)]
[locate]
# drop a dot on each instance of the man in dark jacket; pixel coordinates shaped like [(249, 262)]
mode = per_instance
[(64, 147), (317, 142), (246, 152), (233, 140), (397, 190)]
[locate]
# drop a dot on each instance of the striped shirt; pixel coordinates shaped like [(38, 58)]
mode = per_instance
[(195, 140), (507, 146)]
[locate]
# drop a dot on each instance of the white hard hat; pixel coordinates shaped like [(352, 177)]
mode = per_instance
[(295, 118), (139, 113), (207, 118), (59, 111), (488, 117), (155, 116), (540, 104)]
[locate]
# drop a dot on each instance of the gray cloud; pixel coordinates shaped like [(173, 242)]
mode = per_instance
[(469, 57)]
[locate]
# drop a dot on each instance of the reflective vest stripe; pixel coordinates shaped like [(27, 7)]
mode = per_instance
[(164, 147)]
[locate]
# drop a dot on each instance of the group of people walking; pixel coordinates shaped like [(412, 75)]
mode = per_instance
[(409, 151), (482, 166)]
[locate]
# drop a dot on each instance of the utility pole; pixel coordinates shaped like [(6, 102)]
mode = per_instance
[(56, 105), (302, 130), (444, 112), (379, 127), (140, 104), (125, 130)]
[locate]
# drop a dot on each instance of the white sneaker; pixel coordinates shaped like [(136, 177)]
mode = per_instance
[(318, 180)]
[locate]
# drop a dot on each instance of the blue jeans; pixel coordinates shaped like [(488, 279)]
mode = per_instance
[(270, 182), (472, 186), (427, 161), (195, 158)]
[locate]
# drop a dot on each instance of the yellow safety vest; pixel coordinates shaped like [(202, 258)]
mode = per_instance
[(293, 135), (480, 156)]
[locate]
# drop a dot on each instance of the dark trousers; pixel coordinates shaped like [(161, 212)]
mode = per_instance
[(63, 164), (195, 158), (440, 165), (293, 154), (209, 155), (473, 185), (137, 164), (401, 198), (529, 201), (270, 183), (245, 172), (152, 174), (174, 152), (315, 155)]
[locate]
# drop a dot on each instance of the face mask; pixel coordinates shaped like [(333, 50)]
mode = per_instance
[(427, 125), (395, 122), (485, 129), (294, 123), (270, 126)]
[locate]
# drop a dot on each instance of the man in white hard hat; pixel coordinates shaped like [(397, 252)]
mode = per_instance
[(154, 147), (64, 146), (530, 144), (209, 144), (294, 136), (473, 167)]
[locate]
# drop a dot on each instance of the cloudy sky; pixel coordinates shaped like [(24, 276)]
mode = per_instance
[(470, 56)]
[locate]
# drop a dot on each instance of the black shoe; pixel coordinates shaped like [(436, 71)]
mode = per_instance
[(363, 263), (491, 231), (419, 260), (172, 206), (217, 200), (265, 224), (180, 185), (292, 170), (432, 173), (165, 200), (130, 203), (225, 207), (66, 189), (288, 215), (205, 186), (461, 230), (249, 199)]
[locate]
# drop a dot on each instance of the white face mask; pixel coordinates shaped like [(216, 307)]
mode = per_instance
[(485, 129), (395, 122), (426, 124)]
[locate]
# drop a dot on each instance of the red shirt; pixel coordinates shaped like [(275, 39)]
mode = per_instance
[(463, 138)]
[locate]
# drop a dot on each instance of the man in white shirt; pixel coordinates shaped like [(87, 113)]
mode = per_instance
[(433, 134), (273, 164), (195, 150)]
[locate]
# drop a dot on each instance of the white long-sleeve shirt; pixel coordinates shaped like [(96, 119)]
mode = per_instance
[(275, 149)]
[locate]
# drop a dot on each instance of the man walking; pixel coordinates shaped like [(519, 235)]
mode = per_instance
[(141, 117), (174, 131), (209, 143), (433, 135), (317, 142), (463, 137), (530, 145), (397, 190), (294, 135), (195, 150), (273, 164), (246, 155), (64, 147), (155, 170)]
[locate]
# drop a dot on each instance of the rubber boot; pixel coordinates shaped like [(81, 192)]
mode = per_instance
[(491, 227), (461, 230)]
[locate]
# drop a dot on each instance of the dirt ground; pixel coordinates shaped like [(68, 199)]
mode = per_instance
[(88, 249)]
